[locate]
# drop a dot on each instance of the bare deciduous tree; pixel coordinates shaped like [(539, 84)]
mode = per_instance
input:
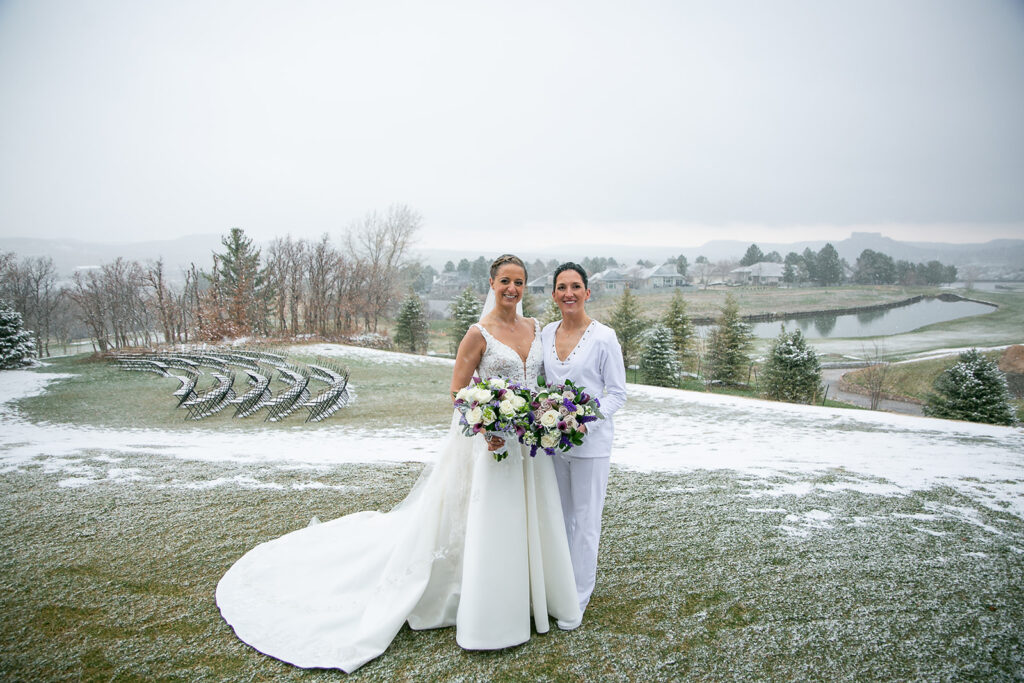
[(381, 243), (877, 374)]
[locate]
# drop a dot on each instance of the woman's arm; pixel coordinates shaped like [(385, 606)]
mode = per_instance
[(467, 359), (613, 372)]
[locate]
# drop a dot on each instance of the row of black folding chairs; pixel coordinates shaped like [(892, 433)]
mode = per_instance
[(258, 396), (292, 398), (329, 401), (212, 400)]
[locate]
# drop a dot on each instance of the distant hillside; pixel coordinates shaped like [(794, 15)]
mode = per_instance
[(998, 257), (1002, 252), (68, 255)]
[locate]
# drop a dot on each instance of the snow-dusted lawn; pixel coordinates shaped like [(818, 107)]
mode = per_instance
[(743, 539)]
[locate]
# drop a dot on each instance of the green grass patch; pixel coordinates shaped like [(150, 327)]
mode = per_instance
[(756, 300), (916, 380), (99, 394)]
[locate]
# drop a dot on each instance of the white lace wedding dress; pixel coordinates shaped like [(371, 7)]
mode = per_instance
[(477, 544)]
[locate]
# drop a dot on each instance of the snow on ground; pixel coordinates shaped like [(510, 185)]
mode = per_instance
[(779, 448), (369, 355)]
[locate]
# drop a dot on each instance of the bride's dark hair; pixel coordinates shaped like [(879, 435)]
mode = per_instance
[(506, 259), (569, 265)]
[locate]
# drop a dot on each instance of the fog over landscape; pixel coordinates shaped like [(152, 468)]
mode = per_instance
[(538, 125)]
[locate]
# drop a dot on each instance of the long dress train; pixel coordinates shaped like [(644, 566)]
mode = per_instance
[(477, 544)]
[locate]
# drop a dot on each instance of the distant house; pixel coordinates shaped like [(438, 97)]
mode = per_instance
[(761, 274), (540, 285), (449, 284), (658, 277), (638, 277), (611, 279)]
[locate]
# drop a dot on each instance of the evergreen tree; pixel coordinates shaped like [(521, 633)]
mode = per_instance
[(810, 262), (550, 314), (629, 324), (791, 273), (529, 302), (242, 284), (972, 389), (679, 324), (411, 330), (465, 311), (752, 256), (660, 364), (792, 372), (874, 268), (728, 345), (16, 344), (828, 266)]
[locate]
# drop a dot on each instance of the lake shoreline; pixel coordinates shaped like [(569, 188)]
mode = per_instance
[(776, 316)]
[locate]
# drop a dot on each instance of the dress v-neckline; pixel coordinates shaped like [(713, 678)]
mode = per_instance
[(579, 342), (510, 348)]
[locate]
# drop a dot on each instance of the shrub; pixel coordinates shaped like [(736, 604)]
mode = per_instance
[(972, 389), (792, 372)]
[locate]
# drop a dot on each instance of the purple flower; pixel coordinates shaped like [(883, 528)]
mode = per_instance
[(569, 405)]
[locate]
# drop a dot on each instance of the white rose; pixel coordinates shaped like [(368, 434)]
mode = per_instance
[(481, 395), (550, 418), (549, 439), (571, 423), (568, 394), (517, 401), (506, 407), (473, 416), (497, 383), (462, 393)]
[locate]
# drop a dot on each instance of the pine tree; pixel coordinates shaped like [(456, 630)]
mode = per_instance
[(972, 389), (411, 330), (551, 313), (16, 344), (828, 267), (660, 365), (792, 372), (679, 324), (752, 256), (243, 285), (465, 310), (529, 304), (629, 324), (728, 345)]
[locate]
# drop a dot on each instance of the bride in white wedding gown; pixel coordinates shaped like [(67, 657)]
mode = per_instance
[(478, 544)]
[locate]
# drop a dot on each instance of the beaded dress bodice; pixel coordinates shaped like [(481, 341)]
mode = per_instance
[(501, 360)]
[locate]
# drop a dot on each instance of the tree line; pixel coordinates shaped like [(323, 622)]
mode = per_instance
[(825, 267), (297, 286)]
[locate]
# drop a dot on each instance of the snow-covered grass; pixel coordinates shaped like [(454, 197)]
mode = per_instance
[(743, 539)]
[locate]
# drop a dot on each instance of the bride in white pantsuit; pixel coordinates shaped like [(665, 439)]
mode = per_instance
[(588, 353), (478, 544)]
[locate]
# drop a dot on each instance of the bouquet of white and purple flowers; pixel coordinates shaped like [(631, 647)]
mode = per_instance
[(557, 414), (494, 407)]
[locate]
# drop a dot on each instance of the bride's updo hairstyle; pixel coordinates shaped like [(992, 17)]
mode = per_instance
[(504, 260), (569, 265)]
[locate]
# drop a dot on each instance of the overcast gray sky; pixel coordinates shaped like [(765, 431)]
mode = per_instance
[(643, 122)]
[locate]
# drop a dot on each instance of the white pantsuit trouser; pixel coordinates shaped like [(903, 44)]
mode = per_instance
[(582, 483)]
